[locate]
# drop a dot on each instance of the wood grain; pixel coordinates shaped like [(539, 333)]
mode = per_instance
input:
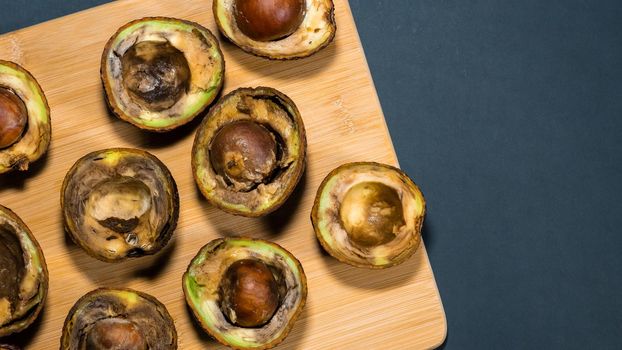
[(348, 308)]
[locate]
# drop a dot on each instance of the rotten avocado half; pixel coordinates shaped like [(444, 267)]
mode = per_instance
[(120, 203), (246, 293), (249, 152), (25, 129), (112, 319), (368, 214), (23, 275), (277, 29), (160, 73)]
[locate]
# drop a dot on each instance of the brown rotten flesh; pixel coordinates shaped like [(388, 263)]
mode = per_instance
[(25, 129), (118, 319), (249, 152), (23, 275), (277, 29), (266, 20), (246, 293), (120, 203), (368, 214), (13, 117)]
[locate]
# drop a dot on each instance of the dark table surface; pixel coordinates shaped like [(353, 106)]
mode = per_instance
[(509, 117)]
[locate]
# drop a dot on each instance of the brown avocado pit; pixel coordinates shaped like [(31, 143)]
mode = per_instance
[(23, 275), (118, 319), (244, 154), (115, 334), (266, 20), (13, 117), (249, 293), (120, 203), (371, 213), (156, 74), (250, 151)]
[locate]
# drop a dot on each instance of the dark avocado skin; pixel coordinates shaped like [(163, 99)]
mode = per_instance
[(32, 315)]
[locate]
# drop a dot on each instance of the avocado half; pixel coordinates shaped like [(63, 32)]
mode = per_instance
[(23, 275), (206, 286), (25, 129), (249, 153), (368, 214), (120, 203), (315, 32), (160, 73), (118, 319)]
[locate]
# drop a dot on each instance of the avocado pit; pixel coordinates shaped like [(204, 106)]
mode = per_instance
[(115, 334), (119, 203), (371, 213), (249, 293), (267, 20), (156, 74), (13, 117), (244, 154)]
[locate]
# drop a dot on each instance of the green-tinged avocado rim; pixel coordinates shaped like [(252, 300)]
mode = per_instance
[(202, 97)]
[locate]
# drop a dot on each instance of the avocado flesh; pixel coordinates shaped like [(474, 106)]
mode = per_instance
[(35, 139), (202, 282), (403, 227), (205, 65), (23, 275), (315, 32), (120, 203), (142, 310), (268, 108)]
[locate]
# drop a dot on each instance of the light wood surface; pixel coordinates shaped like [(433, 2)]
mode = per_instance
[(348, 308)]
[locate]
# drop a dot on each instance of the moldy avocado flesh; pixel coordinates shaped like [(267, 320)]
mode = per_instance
[(23, 274), (368, 214), (25, 129), (120, 203), (249, 152), (160, 73), (118, 319), (246, 293), (290, 33)]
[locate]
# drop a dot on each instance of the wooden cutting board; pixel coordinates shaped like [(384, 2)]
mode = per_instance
[(347, 308)]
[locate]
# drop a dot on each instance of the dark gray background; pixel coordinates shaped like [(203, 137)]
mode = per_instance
[(508, 114)]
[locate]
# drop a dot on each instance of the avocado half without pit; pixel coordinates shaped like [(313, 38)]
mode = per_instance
[(277, 29), (246, 293), (249, 152), (368, 214), (120, 203), (24, 118), (159, 73), (23, 275), (118, 319)]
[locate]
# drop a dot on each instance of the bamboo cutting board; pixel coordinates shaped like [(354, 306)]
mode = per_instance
[(347, 308)]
